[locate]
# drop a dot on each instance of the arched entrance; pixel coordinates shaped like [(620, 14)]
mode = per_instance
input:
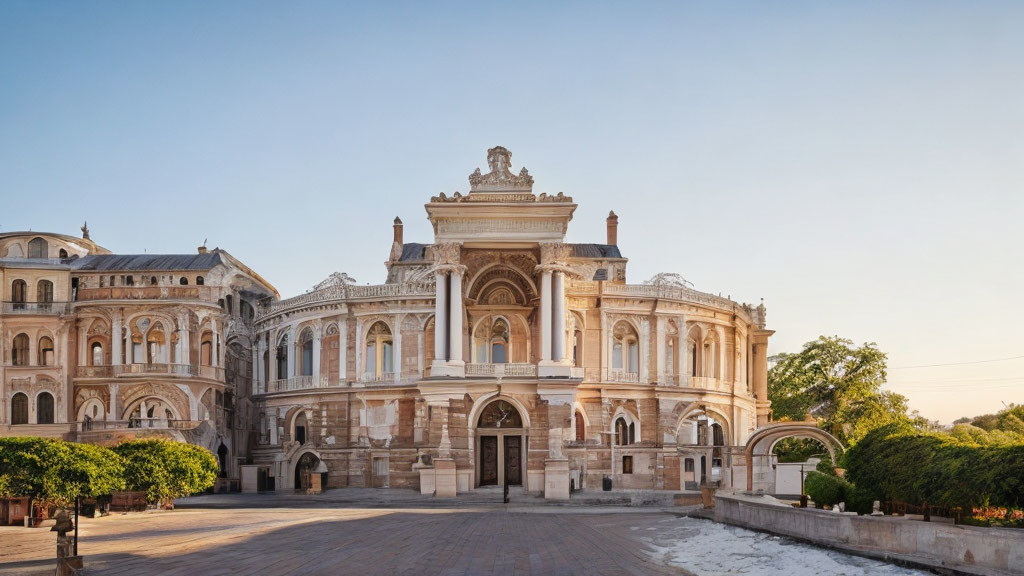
[(759, 447), (500, 445), (304, 469)]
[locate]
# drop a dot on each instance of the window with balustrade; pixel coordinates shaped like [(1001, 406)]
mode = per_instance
[(96, 354), (156, 344), (44, 292), (625, 432), (625, 351), (19, 291), (379, 351), (19, 350), (282, 357), (492, 341)]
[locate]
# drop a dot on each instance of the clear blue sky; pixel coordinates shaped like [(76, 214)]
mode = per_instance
[(860, 166)]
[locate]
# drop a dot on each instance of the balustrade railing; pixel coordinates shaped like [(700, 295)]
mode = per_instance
[(377, 377), (204, 293), (120, 370), (588, 287), (623, 376), (350, 292), (35, 307), (505, 370), (161, 423)]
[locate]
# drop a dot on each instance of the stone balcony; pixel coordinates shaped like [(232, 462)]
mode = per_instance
[(203, 293), (35, 308), (509, 370), (131, 370)]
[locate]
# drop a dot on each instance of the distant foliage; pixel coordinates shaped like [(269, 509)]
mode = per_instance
[(165, 469), (967, 468)]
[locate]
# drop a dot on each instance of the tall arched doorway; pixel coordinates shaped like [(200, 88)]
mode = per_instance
[(500, 445)]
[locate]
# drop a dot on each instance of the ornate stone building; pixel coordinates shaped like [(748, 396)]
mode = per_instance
[(496, 353)]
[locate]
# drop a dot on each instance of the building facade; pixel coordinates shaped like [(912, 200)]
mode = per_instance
[(497, 353)]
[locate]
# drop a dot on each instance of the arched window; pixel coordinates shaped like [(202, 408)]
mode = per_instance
[(199, 281), (282, 358), (300, 428), (206, 349), (129, 280), (97, 354), (19, 350), (38, 248), (63, 253), (228, 303), (500, 414), (625, 349), (183, 281), (155, 341), (717, 434), (499, 341), (44, 293), (577, 348), (19, 408), (306, 345), (581, 427), (378, 352), (152, 281), (624, 432), (45, 351), (19, 291), (44, 408), (492, 341)]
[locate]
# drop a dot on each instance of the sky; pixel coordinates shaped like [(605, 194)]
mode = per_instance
[(859, 166)]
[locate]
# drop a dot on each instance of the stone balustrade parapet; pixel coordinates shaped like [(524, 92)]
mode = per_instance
[(342, 293)]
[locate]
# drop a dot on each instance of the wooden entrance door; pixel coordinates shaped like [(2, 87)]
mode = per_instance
[(488, 460), (513, 460)]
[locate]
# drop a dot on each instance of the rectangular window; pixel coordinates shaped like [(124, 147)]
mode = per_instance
[(627, 464), (688, 465), (617, 356)]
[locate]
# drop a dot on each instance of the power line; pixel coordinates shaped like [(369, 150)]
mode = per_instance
[(958, 363)]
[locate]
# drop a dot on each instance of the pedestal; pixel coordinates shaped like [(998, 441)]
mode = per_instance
[(449, 369), (553, 369), (556, 479), (445, 481), (426, 480)]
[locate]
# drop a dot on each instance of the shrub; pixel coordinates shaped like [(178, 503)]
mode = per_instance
[(165, 469), (827, 490)]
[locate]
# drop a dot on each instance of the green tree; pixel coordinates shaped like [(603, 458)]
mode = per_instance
[(839, 385), (165, 469), (55, 472)]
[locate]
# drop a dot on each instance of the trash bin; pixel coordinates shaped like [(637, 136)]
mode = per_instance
[(606, 484)]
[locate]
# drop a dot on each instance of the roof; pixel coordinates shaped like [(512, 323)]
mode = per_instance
[(595, 251), (148, 261), (412, 251), (89, 244)]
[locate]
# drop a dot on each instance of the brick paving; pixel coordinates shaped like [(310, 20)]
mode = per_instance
[(330, 538)]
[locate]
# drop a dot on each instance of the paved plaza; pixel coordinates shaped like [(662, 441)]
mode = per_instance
[(312, 536)]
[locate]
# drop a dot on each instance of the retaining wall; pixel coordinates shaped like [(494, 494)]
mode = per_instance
[(964, 549)]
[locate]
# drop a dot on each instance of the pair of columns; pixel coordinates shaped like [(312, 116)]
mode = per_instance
[(448, 319), (552, 316)]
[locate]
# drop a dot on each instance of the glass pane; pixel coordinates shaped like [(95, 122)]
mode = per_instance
[(371, 358), (388, 365), (634, 357), (498, 354), (617, 356)]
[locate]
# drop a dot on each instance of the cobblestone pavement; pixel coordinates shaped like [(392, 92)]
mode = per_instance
[(241, 534)]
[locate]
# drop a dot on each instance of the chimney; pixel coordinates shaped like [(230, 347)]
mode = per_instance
[(202, 249), (398, 230), (613, 229)]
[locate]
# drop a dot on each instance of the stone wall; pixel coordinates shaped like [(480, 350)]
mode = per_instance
[(966, 549)]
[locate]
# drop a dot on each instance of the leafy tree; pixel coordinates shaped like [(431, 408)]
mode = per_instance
[(55, 472), (839, 385), (165, 469)]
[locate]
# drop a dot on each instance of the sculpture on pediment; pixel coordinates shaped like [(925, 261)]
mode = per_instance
[(669, 279), (500, 178), (336, 279)]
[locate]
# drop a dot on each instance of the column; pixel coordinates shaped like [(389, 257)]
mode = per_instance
[(255, 368), (396, 360), (645, 350), (440, 319), (273, 359), (455, 324), (606, 350), (186, 342), (343, 349), (112, 410), (317, 330), (129, 352), (558, 309), (545, 316), (291, 354), (359, 351), (222, 349), (261, 370), (683, 352), (662, 343), (83, 347), (116, 342)]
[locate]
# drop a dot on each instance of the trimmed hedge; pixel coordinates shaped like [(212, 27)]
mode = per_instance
[(899, 462), (165, 469)]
